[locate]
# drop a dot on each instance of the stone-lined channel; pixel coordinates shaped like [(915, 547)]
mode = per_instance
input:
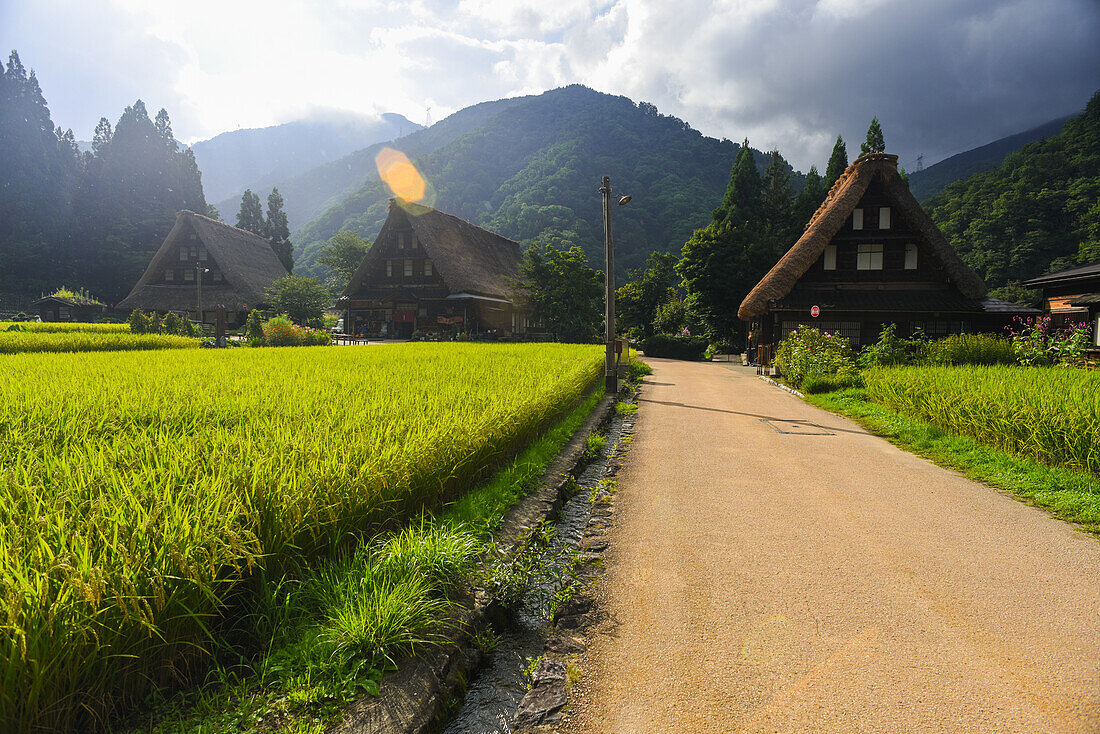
[(499, 685)]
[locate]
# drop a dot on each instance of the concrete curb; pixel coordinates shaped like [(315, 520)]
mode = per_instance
[(417, 698), (781, 386)]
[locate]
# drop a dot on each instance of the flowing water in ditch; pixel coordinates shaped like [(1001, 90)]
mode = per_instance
[(500, 684)]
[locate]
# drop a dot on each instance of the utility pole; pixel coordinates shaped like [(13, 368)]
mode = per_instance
[(611, 382)]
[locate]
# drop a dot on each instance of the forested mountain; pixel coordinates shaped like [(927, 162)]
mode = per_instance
[(88, 220), (310, 193), (531, 170), (935, 178), (1038, 212), (260, 158)]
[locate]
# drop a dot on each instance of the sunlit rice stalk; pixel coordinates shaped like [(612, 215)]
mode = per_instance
[(18, 342), (137, 489), (60, 327), (1048, 414)]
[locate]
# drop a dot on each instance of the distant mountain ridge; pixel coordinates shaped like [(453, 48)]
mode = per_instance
[(934, 179), (258, 158), (529, 168)]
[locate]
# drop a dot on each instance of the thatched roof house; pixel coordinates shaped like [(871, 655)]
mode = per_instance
[(427, 272), (870, 255), (235, 268)]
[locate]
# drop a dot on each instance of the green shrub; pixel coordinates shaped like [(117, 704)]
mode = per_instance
[(254, 327), (282, 332), (810, 351), (815, 383), (675, 346), (981, 349), (891, 350), (139, 322)]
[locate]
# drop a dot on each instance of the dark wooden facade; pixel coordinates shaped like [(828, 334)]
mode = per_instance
[(871, 256), (1072, 296), (434, 275), (56, 308), (208, 263)]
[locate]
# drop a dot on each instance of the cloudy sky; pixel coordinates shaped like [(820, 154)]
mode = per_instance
[(942, 75)]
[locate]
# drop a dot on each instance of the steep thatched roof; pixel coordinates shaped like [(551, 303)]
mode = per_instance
[(830, 217), (247, 263), (468, 258)]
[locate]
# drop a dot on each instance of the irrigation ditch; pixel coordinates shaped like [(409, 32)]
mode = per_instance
[(505, 666)]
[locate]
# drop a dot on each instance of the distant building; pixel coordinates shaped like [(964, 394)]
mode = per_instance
[(1072, 295), (431, 272), (65, 305), (235, 268), (871, 256)]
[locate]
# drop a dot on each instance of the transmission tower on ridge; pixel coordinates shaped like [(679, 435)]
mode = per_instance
[(920, 162), (428, 117)]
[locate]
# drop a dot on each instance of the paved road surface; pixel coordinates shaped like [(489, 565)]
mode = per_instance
[(767, 581)]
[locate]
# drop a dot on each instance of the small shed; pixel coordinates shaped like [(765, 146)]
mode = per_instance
[(1072, 295), (65, 305), (871, 256), (207, 262)]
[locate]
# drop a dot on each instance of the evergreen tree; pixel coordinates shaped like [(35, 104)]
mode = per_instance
[(251, 215), (637, 301), (875, 143), (564, 293), (809, 199), (343, 254), (277, 230), (102, 137), (777, 201), (838, 162), (725, 259)]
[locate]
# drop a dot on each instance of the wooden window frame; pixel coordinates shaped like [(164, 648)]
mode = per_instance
[(884, 217), (428, 269), (408, 267), (911, 263), (857, 218), (828, 258), (866, 255), (389, 268)]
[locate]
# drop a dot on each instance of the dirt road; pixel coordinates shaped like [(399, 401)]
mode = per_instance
[(801, 575)]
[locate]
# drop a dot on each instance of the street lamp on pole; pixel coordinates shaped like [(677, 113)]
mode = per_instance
[(199, 270), (611, 381)]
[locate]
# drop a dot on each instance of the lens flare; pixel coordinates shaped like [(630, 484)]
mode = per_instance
[(395, 168)]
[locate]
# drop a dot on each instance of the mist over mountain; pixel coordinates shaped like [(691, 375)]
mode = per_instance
[(258, 158)]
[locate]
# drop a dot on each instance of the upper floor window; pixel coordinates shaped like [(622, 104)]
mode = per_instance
[(884, 217), (389, 268), (869, 257), (857, 218), (404, 240), (829, 257), (183, 254), (202, 253), (427, 268), (217, 275), (910, 256), (188, 274), (169, 275), (408, 268)]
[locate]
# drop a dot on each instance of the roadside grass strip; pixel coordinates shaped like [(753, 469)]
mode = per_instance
[(157, 510), (1049, 414), (32, 342), (1070, 494)]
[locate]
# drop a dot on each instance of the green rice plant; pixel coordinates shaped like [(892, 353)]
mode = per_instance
[(141, 495), (1051, 415), (19, 342), (980, 349), (65, 327)]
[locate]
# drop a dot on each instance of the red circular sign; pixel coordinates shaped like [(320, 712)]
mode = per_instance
[(815, 311)]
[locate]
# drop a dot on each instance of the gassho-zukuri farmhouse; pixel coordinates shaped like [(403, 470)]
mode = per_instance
[(870, 256)]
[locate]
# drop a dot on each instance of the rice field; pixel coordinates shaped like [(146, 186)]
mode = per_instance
[(138, 491), (113, 340), (65, 327), (1049, 414)]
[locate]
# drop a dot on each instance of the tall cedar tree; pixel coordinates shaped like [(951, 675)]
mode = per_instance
[(251, 215), (40, 168), (342, 255), (277, 230), (564, 293), (778, 204), (725, 259), (874, 143), (809, 199), (838, 162)]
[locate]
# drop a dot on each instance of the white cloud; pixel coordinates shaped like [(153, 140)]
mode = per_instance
[(942, 75)]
